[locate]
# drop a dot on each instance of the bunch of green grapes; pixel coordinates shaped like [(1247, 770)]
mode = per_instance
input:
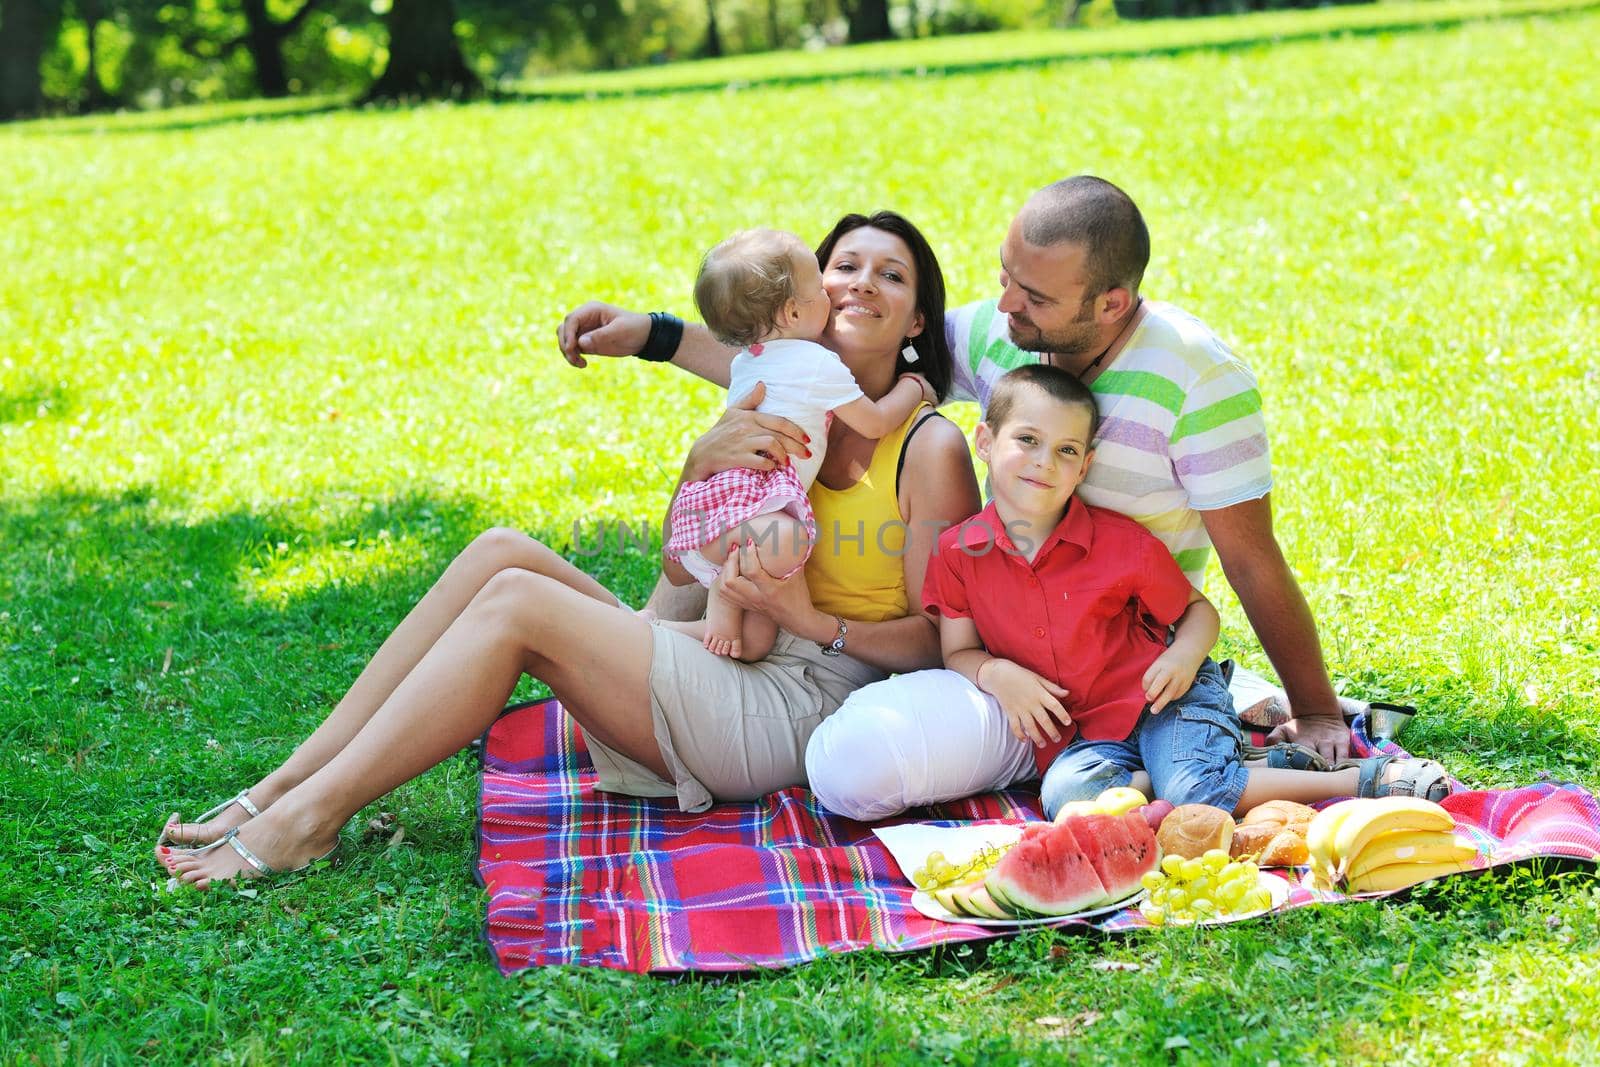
[(938, 872), (1186, 890)]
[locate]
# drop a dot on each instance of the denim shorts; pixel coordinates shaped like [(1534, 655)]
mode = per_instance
[(1191, 751)]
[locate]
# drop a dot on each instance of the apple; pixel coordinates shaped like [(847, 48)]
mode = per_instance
[(1155, 811)]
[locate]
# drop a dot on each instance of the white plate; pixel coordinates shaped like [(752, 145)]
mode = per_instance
[(924, 902), (1277, 887)]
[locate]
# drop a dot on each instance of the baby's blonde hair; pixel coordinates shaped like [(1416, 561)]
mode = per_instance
[(744, 283)]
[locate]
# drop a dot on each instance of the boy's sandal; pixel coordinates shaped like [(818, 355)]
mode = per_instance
[(1423, 778), (1286, 755), (231, 839), (242, 799)]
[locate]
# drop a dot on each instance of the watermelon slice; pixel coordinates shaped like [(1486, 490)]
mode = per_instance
[(1046, 873), (1120, 848)]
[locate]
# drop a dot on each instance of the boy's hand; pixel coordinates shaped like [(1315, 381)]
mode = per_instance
[(1168, 678), (1032, 704)]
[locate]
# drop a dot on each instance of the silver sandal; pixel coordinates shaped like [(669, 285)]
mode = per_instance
[(242, 799), (266, 871)]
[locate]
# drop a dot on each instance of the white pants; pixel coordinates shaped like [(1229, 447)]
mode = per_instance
[(913, 739), (928, 737)]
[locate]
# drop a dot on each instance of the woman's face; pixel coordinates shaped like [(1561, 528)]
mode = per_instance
[(872, 283)]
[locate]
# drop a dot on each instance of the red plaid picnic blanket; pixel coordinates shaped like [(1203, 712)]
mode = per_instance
[(577, 876)]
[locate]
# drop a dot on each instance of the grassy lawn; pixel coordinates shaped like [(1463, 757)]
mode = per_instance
[(259, 381)]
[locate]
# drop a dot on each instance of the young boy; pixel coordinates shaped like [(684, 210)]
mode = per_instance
[(1060, 613)]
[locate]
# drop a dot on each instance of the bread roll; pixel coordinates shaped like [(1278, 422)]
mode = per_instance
[(1249, 840), (1190, 830), (1286, 849), (1282, 814)]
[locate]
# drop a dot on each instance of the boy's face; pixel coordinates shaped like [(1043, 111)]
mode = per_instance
[(1038, 456)]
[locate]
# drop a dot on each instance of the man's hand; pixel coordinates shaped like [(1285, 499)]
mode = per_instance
[(1328, 734), (744, 437), (1032, 704), (599, 329), (1168, 678)]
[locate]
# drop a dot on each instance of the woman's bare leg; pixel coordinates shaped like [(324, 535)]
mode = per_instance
[(488, 554), (595, 658)]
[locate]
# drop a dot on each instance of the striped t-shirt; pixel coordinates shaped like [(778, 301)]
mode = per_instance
[(1181, 430)]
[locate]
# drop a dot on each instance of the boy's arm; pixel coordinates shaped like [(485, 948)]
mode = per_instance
[(1032, 705), (878, 418), (1171, 675)]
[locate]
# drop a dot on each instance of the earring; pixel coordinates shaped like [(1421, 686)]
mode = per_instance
[(909, 353)]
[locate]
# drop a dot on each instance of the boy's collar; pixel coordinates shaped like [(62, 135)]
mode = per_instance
[(985, 529)]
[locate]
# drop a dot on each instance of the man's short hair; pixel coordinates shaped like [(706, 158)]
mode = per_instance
[(744, 283), (1092, 212), (1060, 385)]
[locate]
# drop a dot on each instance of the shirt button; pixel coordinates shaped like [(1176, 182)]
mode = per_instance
[(1038, 631)]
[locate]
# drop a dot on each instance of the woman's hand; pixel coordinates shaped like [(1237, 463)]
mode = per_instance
[(1032, 703), (600, 329), (786, 601), (744, 437)]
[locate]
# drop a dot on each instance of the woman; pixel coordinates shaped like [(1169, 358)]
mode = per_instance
[(662, 716)]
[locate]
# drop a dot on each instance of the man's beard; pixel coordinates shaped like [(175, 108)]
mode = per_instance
[(1077, 338)]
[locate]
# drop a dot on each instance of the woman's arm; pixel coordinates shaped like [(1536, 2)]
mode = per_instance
[(937, 489), (600, 329)]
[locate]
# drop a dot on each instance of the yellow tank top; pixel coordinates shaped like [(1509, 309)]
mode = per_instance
[(857, 568)]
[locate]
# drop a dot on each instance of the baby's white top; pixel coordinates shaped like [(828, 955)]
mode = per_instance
[(804, 382)]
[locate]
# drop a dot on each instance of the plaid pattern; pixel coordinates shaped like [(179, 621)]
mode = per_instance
[(704, 511), (580, 877)]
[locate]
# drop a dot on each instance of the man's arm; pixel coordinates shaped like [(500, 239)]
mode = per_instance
[(1260, 576), (600, 329)]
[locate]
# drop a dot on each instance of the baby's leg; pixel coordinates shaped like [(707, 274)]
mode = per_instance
[(757, 635), (781, 544), (724, 625)]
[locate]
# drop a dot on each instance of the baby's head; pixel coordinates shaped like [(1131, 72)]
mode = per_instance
[(1037, 436), (760, 285)]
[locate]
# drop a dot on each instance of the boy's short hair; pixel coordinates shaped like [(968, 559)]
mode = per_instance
[(1059, 384), (744, 282)]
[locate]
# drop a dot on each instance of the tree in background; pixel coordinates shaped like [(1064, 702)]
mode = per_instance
[(27, 29), (425, 58), (869, 20)]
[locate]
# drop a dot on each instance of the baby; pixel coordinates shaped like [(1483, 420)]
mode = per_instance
[(762, 290)]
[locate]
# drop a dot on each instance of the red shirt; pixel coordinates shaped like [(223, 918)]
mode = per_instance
[(1090, 612)]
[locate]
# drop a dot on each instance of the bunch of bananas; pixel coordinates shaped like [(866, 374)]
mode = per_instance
[(1372, 846)]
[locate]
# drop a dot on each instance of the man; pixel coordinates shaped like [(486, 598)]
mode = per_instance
[(1183, 449)]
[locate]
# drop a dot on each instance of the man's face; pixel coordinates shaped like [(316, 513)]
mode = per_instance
[(1045, 296)]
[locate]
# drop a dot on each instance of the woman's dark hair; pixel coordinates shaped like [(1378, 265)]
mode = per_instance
[(934, 361)]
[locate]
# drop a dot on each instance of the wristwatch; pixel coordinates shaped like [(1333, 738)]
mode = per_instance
[(836, 646)]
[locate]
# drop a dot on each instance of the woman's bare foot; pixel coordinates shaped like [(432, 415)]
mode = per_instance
[(282, 843)]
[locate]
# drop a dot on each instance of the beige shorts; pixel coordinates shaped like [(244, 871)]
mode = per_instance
[(730, 730)]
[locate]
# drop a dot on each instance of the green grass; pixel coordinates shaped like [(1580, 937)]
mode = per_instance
[(258, 382)]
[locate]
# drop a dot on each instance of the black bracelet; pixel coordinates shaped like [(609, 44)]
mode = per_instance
[(666, 330)]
